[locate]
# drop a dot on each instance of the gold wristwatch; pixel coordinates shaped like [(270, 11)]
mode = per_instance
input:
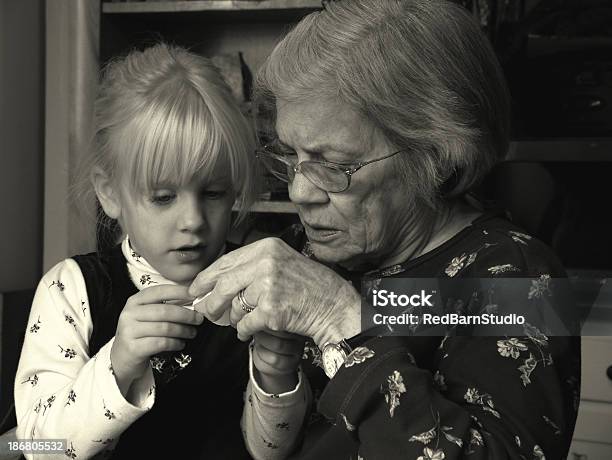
[(333, 356)]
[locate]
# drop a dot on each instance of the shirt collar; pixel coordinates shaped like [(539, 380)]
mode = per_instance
[(141, 272)]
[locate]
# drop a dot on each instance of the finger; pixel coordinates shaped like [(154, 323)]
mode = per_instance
[(149, 346), (162, 293), (244, 258), (269, 362), (250, 324), (169, 313), (219, 300), (279, 345), (225, 295), (236, 312), (200, 306), (206, 280), (198, 300), (286, 335), (164, 329)]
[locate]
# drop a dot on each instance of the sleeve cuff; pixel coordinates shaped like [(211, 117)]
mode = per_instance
[(143, 389), (358, 379), (288, 398)]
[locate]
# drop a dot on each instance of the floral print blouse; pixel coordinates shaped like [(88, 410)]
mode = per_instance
[(435, 398)]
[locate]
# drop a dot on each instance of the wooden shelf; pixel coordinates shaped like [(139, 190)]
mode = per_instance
[(275, 207), (569, 149), (209, 5)]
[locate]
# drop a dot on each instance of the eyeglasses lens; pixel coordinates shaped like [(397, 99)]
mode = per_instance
[(324, 177)]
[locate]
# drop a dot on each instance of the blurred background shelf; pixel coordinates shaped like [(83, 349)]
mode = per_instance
[(208, 5)]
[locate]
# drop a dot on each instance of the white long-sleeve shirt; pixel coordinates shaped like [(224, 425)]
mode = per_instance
[(60, 391), (272, 423)]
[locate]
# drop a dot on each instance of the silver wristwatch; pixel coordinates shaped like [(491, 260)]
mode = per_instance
[(333, 356)]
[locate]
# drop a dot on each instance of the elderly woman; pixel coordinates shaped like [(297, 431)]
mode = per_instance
[(387, 113)]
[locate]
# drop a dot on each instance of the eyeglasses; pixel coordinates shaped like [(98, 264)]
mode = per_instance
[(326, 175)]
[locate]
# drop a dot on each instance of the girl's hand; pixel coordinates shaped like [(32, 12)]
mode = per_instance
[(148, 326), (276, 357), (291, 293)]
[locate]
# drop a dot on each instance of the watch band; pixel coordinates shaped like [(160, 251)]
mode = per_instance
[(334, 354), (343, 345), (348, 349)]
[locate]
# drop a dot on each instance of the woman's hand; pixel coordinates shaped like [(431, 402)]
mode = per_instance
[(276, 357), (291, 293), (148, 326)]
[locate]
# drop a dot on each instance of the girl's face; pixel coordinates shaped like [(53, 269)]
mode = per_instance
[(180, 230)]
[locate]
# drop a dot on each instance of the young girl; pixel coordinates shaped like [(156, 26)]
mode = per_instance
[(111, 361)]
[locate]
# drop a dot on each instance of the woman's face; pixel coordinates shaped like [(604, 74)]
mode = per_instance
[(368, 223)]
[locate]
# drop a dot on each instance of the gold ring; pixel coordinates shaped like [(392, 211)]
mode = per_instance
[(246, 307)]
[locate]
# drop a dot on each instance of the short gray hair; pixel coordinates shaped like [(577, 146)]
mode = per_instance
[(419, 70)]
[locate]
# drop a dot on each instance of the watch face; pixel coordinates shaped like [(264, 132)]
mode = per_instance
[(333, 357)]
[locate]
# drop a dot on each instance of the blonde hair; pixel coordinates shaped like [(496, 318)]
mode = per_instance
[(421, 71), (166, 115)]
